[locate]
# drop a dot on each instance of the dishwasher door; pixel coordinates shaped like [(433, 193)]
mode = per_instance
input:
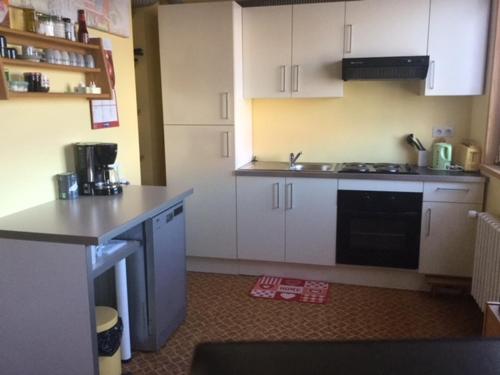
[(166, 264), (157, 280)]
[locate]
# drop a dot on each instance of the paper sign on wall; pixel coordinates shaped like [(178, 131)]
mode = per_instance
[(104, 113)]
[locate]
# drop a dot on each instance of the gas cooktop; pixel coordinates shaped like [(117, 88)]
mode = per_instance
[(388, 168)]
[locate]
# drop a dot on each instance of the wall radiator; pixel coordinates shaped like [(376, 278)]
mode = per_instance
[(486, 273)]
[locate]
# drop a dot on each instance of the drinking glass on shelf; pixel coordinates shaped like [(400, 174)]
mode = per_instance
[(80, 60), (57, 56), (89, 61), (73, 59), (64, 58)]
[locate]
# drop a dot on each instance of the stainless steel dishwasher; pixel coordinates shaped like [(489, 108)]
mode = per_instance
[(157, 281)]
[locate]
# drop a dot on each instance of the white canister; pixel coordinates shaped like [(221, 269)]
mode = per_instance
[(422, 158)]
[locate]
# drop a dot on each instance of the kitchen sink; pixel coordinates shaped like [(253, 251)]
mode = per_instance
[(312, 167)]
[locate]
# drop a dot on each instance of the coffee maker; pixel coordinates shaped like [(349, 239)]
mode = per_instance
[(94, 167)]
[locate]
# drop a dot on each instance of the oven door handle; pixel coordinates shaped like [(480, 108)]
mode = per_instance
[(378, 214)]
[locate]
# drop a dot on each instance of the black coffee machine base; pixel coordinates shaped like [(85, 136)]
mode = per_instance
[(109, 190)]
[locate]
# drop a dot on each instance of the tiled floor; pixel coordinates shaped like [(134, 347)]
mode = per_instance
[(220, 309)]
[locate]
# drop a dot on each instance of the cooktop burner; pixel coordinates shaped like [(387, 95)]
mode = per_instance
[(389, 168)]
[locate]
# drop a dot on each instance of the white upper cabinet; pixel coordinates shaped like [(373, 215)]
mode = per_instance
[(293, 51), (267, 54), (196, 55), (458, 40), (317, 50), (381, 28)]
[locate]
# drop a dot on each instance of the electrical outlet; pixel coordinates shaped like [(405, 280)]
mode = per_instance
[(448, 132), (437, 132)]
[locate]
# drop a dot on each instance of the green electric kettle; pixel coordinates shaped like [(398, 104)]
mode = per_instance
[(441, 156)]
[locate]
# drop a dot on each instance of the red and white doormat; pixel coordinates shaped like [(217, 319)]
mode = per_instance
[(284, 289)]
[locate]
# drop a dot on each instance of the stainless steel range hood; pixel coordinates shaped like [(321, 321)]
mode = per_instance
[(385, 68)]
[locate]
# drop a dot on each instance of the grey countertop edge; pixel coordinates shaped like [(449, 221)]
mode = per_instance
[(140, 218), (423, 177), (94, 240)]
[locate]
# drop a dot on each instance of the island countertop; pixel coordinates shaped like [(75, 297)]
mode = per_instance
[(89, 220)]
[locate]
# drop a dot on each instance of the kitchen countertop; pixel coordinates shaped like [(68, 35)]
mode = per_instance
[(280, 169), (89, 220)]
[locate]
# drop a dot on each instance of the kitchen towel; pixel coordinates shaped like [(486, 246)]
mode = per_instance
[(285, 289)]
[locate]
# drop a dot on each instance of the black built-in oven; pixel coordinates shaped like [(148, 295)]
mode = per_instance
[(379, 228)]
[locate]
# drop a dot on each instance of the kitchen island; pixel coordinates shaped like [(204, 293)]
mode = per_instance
[(47, 276)]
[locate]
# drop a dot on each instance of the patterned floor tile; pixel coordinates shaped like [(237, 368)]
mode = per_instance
[(220, 309)]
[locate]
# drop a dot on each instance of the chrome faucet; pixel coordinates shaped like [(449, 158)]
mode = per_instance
[(293, 159)]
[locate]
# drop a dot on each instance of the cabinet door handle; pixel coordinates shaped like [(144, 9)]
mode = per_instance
[(225, 145), (282, 78), (453, 189), (429, 216), (432, 72), (295, 77), (225, 106), (276, 195), (289, 196), (347, 38)]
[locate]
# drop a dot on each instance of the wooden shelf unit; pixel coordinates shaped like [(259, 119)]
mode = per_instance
[(42, 65), (42, 41), (52, 95), (99, 74)]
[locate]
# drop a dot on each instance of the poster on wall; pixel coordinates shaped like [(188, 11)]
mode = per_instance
[(104, 113), (112, 16)]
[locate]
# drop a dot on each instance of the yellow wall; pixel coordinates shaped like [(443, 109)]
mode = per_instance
[(35, 134), (493, 196), (150, 111), (367, 124)]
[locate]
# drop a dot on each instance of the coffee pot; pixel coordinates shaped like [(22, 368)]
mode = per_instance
[(96, 172)]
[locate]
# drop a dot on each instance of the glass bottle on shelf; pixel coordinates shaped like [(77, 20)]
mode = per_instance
[(83, 34)]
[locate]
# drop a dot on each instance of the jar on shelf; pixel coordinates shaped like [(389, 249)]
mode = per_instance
[(68, 29), (45, 25), (44, 83), (59, 29), (40, 24), (30, 19)]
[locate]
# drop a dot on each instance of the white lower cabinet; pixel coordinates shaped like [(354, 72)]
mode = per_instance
[(310, 220), (447, 239), (261, 218), (287, 219), (202, 157)]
